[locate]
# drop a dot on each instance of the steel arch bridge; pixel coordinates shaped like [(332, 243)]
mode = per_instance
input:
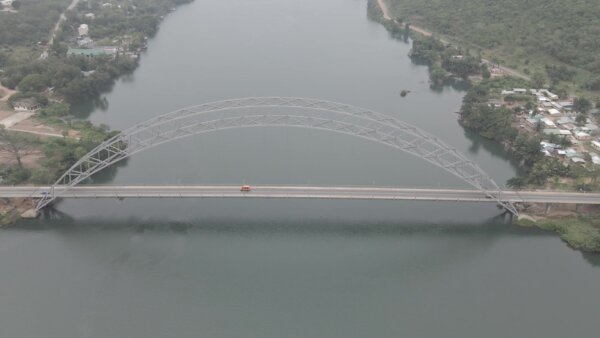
[(266, 112)]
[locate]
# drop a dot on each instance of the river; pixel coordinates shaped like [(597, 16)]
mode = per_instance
[(288, 268)]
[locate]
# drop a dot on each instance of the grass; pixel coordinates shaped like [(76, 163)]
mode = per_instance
[(580, 232)]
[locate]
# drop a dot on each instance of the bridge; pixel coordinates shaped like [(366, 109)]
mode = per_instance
[(287, 112), (313, 192)]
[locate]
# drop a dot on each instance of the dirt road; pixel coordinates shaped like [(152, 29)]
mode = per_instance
[(61, 19)]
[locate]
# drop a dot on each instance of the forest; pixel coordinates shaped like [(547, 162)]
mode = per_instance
[(526, 31), (31, 24)]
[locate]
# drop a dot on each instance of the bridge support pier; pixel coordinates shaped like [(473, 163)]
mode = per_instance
[(547, 209), (30, 213)]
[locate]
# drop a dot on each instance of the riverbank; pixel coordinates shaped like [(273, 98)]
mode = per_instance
[(580, 230), (518, 36), (379, 11), (500, 123), (11, 210), (77, 64)]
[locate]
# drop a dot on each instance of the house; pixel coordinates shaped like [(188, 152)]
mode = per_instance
[(582, 136), (547, 122), (577, 160), (533, 121), (595, 144), (28, 104), (591, 127), (87, 52), (92, 52), (565, 120), (6, 3), (568, 105), (110, 49), (88, 73), (90, 16), (519, 91), (83, 29), (570, 152), (495, 103), (553, 111), (507, 92), (548, 94), (85, 42), (548, 145), (554, 131), (541, 98), (595, 159)]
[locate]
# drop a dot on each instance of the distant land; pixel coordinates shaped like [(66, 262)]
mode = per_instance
[(535, 36)]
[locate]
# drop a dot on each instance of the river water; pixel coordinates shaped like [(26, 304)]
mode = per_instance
[(281, 268)]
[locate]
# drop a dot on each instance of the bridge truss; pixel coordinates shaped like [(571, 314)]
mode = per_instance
[(267, 112)]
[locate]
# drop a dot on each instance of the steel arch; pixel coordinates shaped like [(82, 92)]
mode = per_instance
[(316, 114)]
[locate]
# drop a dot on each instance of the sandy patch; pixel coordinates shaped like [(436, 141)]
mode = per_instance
[(34, 127), (15, 118), (4, 114), (29, 160)]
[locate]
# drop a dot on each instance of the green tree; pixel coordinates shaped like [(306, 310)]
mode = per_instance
[(538, 80), (516, 182), (485, 72), (582, 105), (33, 83), (56, 109), (581, 119)]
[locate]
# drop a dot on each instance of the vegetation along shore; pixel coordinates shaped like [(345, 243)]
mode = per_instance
[(55, 54), (543, 109)]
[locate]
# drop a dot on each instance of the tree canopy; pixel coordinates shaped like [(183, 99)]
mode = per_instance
[(567, 31)]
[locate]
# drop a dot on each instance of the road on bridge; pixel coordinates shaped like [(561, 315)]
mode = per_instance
[(317, 192)]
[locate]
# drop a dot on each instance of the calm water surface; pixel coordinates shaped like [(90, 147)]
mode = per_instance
[(277, 268)]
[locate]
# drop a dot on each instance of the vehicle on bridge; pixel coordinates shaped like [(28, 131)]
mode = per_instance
[(246, 188)]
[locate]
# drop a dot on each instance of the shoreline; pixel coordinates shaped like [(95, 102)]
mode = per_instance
[(420, 30), (42, 129), (576, 228)]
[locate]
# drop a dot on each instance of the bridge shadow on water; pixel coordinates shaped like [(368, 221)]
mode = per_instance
[(479, 235)]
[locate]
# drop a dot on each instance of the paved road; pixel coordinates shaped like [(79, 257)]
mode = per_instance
[(372, 193)]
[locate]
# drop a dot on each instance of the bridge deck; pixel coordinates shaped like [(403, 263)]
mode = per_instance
[(366, 193)]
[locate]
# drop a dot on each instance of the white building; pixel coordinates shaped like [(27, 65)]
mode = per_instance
[(582, 136), (553, 111), (28, 105), (83, 30), (547, 122), (596, 144)]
